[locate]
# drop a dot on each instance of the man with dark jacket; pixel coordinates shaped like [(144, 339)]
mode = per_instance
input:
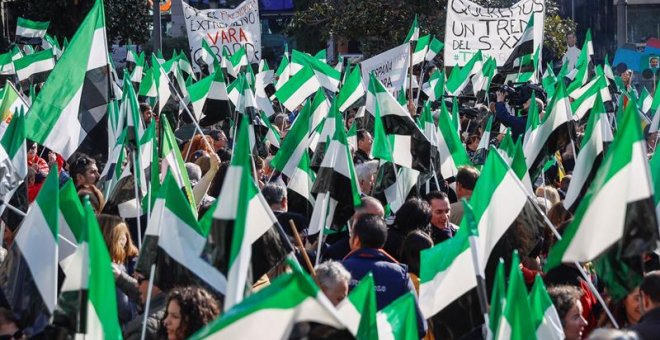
[(390, 277), (649, 325), (157, 306)]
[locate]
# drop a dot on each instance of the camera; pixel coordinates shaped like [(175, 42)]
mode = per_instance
[(516, 96)]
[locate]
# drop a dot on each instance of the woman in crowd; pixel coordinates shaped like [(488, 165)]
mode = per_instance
[(626, 311), (188, 310), (567, 302)]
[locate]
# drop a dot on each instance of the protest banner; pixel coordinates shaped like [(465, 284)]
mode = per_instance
[(494, 31), (224, 28), (390, 67)]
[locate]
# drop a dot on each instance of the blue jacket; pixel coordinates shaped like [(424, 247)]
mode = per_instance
[(390, 277), (517, 124)]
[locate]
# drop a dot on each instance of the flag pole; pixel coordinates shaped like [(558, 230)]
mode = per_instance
[(137, 201), (481, 278), (13, 208), (301, 247), (577, 264), (147, 303), (192, 117)]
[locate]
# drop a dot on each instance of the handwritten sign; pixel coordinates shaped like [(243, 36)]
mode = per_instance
[(224, 28), (494, 31), (390, 67)]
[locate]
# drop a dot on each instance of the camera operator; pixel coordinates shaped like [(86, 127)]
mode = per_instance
[(515, 123)]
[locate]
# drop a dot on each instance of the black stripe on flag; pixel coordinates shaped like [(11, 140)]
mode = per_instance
[(92, 112), (587, 182), (339, 187), (558, 140), (420, 146)]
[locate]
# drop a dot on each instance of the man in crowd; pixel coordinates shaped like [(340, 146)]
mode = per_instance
[(466, 179), (333, 280), (133, 329), (341, 248), (366, 176), (441, 228), (649, 325), (364, 141), (83, 170), (391, 278), (276, 196), (572, 52)]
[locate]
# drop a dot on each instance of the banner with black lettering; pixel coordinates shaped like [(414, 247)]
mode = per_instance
[(494, 31), (390, 67), (222, 27)]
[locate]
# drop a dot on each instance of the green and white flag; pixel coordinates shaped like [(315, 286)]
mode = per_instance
[(283, 72), (197, 94), (37, 64), (299, 188), (398, 320), (655, 172), (7, 64), (289, 299), (451, 149), (645, 101), (413, 33), (580, 75), (590, 156), (460, 77), (327, 76), (71, 223), (497, 300), (435, 87), (12, 102), (482, 80), (162, 84), (516, 321), (173, 161), (358, 310), (446, 273), (584, 98), (59, 118), (298, 88), (435, 46), (237, 61), (623, 185), (207, 57), (479, 157), (296, 142), (545, 318), (422, 47), (30, 32), (36, 246), (13, 157), (138, 70), (245, 209), (351, 91)]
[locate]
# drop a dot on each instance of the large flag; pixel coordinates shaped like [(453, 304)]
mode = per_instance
[(516, 320), (435, 46), (358, 310), (242, 205), (172, 160), (327, 76), (422, 46), (336, 189), (351, 91), (460, 77), (35, 249), (545, 318), (89, 277), (413, 33), (446, 273), (435, 87), (161, 82), (302, 85), (398, 320), (552, 134), (30, 32), (450, 148), (69, 107), (410, 146), (272, 312), (521, 56), (618, 208), (217, 106), (13, 158), (174, 241), (71, 221), (590, 155), (35, 66), (584, 98), (299, 188), (197, 94)]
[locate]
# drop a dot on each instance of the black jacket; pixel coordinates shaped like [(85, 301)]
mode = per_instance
[(649, 325)]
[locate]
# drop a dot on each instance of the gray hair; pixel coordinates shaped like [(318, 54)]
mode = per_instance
[(365, 170), (331, 273), (273, 193)]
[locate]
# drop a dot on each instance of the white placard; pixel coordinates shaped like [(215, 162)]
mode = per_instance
[(390, 67), (494, 31), (230, 28)]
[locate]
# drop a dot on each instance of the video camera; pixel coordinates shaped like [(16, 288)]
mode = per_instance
[(518, 94)]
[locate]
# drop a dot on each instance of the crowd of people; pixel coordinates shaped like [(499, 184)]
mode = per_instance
[(377, 240)]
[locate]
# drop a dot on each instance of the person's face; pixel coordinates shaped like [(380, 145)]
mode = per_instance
[(123, 239), (172, 320), (367, 185), (654, 62), (365, 144), (33, 150), (632, 304), (440, 212), (90, 176), (146, 115), (625, 76), (336, 294), (571, 40), (221, 142), (574, 323)]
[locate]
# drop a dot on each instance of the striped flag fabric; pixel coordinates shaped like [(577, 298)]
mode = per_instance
[(172, 161), (13, 157), (336, 188), (358, 310), (516, 319), (623, 185), (446, 273), (413, 33), (351, 91), (71, 222), (197, 94), (7, 64), (584, 98), (207, 57), (435, 87), (484, 144), (217, 106), (58, 118), (296, 142), (283, 72), (289, 299), (580, 75), (37, 65), (435, 46), (299, 188), (521, 55), (497, 300), (422, 47), (12, 102), (590, 156), (450, 148), (138, 70), (327, 76), (460, 77), (29, 32), (545, 318), (410, 146), (35, 248), (242, 206), (237, 61), (398, 319), (162, 84), (482, 80), (302, 85)]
